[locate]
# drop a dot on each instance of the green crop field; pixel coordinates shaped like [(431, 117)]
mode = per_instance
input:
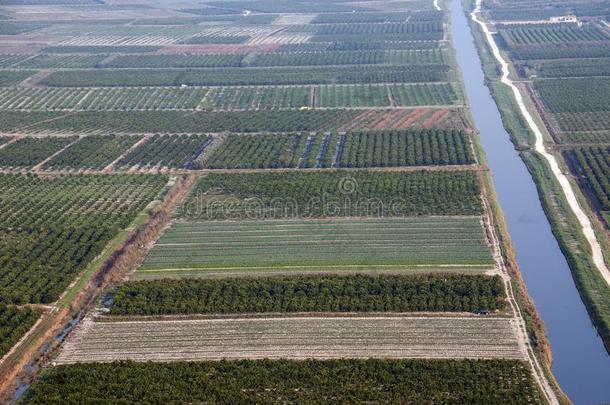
[(210, 248)]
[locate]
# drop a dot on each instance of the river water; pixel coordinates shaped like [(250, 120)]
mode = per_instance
[(581, 363)]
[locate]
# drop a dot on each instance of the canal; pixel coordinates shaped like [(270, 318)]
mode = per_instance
[(581, 363)]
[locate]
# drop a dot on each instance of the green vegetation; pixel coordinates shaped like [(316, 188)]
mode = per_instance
[(14, 323), (575, 95), (258, 151), (248, 76), (577, 67), (330, 18), (366, 57), (217, 39), (52, 227), (594, 165), (174, 61), (353, 293), (238, 98), (338, 193), (211, 248), (28, 152), (92, 152), (175, 151), (11, 60), (565, 50), (62, 61), (46, 99), (354, 149), (329, 381), (283, 6), (101, 49), (515, 35), (13, 77), (406, 148), (178, 121)]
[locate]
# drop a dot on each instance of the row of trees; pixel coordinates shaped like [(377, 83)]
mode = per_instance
[(415, 381), (354, 293)]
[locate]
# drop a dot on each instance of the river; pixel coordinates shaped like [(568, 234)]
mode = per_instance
[(581, 363)]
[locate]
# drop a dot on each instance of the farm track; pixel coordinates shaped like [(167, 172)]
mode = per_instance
[(295, 337)]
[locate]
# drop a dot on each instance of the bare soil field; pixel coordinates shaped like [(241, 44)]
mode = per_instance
[(300, 337)]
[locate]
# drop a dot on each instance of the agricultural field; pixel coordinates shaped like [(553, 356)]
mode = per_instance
[(62, 61), (585, 95), (173, 61), (368, 57), (449, 381), (210, 248), (358, 149), (569, 68), (14, 323), (92, 152), (357, 293), (103, 49), (335, 193), (111, 99), (54, 226), (247, 76), (300, 337), (551, 34), (28, 152), (289, 189), (592, 164), (13, 77), (175, 121), (166, 151), (257, 98), (584, 116)]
